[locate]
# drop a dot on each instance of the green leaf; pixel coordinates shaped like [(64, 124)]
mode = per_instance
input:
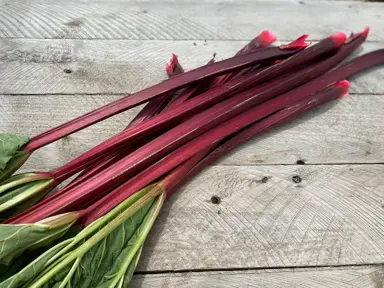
[(121, 279), (122, 269), (109, 244), (15, 163), (30, 271), (89, 269), (9, 145), (111, 252), (15, 239)]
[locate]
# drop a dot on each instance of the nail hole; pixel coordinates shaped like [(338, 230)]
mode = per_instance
[(215, 199), (264, 180), (300, 162), (68, 71), (296, 179)]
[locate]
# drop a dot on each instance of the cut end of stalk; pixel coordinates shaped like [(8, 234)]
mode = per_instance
[(339, 38), (297, 44), (212, 60), (344, 86), (170, 68), (267, 37), (363, 34)]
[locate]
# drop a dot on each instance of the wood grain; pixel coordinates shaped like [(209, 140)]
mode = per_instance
[(346, 131), (118, 66), (332, 217), (363, 277), (164, 20)]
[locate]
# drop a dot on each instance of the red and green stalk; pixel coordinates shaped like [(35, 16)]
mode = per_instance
[(151, 109), (182, 160)]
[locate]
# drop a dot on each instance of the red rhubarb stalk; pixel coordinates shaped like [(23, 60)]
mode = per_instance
[(263, 40), (205, 141), (211, 155), (286, 83), (189, 92), (153, 108), (157, 105), (158, 90)]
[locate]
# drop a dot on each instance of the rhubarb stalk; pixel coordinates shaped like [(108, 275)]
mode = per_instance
[(263, 40)]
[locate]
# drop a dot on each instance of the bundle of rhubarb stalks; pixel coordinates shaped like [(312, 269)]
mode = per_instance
[(90, 232)]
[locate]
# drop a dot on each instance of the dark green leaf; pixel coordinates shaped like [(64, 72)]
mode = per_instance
[(15, 239), (122, 279), (104, 252), (15, 163), (29, 272), (9, 145), (98, 261)]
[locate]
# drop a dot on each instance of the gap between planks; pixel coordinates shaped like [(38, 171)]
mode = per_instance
[(255, 269), (360, 276)]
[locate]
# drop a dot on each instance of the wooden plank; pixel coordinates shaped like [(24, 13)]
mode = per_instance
[(332, 217), (183, 20), (38, 66), (347, 131), (362, 277)]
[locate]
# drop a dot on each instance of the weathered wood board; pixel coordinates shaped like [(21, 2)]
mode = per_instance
[(184, 20), (119, 66), (278, 224), (328, 215)]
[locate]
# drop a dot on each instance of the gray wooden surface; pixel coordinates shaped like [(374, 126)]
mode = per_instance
[(268, 231)]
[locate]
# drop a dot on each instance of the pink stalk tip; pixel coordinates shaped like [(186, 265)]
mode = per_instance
[(339, 38), (267, 36), (344, 85), (170, 68), (296, 44), (363, 34)]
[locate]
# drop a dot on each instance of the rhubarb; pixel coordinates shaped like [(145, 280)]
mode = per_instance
[(206, 140), (137, 161), (263, 40), (145, 95), (66, 253)]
